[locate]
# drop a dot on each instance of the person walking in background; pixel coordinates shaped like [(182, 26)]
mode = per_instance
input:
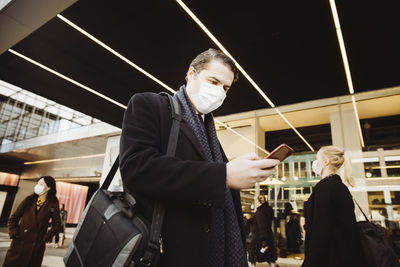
[(63, 215), (28, 225), (331, 239), (282, 237), (262, 246), (293, 230)]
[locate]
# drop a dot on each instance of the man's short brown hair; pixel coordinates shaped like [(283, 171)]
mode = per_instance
[(202, 59)]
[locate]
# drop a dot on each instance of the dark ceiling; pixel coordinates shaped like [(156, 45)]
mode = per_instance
[(289, 48)]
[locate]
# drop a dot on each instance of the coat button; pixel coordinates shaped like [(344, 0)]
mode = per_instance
[(26, 230)]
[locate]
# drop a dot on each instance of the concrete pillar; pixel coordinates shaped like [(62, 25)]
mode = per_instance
[(382, 162), (388, 202), (257, 137), (234, 145), (345, 135)]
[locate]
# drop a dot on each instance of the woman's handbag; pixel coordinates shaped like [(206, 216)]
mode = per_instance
[(110, 233), (376, 248)]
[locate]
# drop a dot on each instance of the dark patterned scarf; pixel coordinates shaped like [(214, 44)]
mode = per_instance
[(226, 246)]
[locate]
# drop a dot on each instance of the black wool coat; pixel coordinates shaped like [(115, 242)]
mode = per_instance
[(187, 184), (332, 239), (29, 232)]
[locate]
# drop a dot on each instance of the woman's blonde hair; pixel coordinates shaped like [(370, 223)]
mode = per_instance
[(337, 159)]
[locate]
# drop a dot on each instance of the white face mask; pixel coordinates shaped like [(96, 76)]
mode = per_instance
[(317, 170), (208, 98), (39, 189)]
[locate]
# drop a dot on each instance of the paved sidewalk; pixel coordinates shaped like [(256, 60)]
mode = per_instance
[(53, 257), (284, 262)]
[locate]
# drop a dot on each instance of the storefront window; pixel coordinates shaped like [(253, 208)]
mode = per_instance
[(392, 166), (303, 169), (372, 169)]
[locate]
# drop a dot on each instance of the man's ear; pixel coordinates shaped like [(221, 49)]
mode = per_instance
[(190, 73)]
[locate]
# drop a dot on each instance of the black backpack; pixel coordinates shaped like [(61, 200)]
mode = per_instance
[(375, 246)]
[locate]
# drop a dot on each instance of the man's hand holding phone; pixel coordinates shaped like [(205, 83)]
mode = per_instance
[(247, 170)]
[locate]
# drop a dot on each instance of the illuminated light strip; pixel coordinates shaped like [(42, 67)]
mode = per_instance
[(147, 74), (341, 45), (244, 137), (63, 159), (76, 27), (69, 168), (67, 78), (220, 46), (358, 120), (346, 64)]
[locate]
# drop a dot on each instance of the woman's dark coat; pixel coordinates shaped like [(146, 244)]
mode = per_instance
[(331, 235), (29, 234), (293, 234), (187, 184), (262, 235)]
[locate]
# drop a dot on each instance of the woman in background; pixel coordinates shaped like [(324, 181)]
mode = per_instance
[(28, 225), (332, 239), (262, 246)]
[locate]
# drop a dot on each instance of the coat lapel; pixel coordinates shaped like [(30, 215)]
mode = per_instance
[(32, 213), (188, 132), (42, 212)]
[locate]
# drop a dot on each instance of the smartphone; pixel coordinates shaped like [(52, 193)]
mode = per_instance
[(280, 153)]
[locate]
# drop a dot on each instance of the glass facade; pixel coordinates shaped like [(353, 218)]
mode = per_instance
[(297, 181), (24, 115)]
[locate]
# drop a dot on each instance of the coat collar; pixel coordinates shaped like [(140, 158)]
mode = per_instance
[(334, 176)]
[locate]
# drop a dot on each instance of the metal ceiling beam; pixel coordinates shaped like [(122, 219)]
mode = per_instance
[(22, 17)]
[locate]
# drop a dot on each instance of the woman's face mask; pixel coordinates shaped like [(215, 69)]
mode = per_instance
[(316, 169), (39, 189)]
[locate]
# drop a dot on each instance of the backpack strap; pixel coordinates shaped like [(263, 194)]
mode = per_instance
[(155, 240), (111, 174), (365, 216)]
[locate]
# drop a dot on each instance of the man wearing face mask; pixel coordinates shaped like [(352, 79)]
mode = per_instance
[(199, 187)]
